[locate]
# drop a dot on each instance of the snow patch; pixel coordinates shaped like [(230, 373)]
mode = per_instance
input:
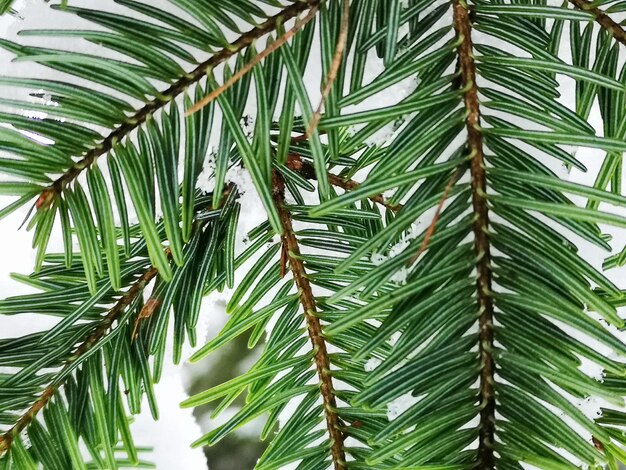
[(590, 406), (372, 364), (400, 405)]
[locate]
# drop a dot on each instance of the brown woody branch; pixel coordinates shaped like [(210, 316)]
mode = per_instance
[(602, 19), (170, 94), (94, 337), (314, 327), (463, 27), (305, 169)]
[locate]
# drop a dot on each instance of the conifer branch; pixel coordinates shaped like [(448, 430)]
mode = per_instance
[(314, 327), (604, 20), (94, 337), (425, 319), (463, 27), (140, 117)]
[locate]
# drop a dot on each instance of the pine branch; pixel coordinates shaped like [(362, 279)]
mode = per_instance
[(169, 95), (94, 337), (308, 302), (306, 170), (431, 314), (602, 19), (314, 327), (463, 27), (96, 334)]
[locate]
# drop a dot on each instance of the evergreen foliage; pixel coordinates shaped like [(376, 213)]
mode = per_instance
[(466, 197)]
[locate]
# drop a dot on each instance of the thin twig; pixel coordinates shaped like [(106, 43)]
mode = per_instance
[(314, 327), (350, 185), (303, 137), (334, 67), (284, 259), (273, 47), (305, 169), (433, 224), (96, 335)]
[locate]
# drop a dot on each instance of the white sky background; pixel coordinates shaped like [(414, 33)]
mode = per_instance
[(173, 433)]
